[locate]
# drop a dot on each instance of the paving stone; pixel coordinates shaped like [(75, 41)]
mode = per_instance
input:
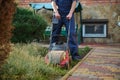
[(117, 76), (102, 64), (74, 78)]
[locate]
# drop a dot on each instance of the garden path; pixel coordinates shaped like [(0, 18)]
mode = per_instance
[(101, 63)]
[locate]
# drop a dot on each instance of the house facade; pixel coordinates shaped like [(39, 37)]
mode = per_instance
[(100, 20)]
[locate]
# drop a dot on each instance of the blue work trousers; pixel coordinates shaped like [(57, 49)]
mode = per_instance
[(73, 44)]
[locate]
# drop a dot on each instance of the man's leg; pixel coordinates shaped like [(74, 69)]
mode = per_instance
[(56, 31), (73, 44)]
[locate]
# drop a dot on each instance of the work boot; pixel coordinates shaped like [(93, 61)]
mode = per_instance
[(76, 58)]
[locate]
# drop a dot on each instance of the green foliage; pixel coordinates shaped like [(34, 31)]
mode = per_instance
[(26, 62), (28, 27), (87, 49), (20, 65), (36, 50), (84, 51)]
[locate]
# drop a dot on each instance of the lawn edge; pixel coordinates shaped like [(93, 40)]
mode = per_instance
[(76, 66)]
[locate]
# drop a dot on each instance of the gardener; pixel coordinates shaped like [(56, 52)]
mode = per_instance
[(64, 12)]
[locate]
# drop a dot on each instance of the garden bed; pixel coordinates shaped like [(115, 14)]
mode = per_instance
[(26, 62)]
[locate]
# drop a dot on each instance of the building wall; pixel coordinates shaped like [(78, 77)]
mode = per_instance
[(87, 2), (104, 11), (93, 9), (25, 3)]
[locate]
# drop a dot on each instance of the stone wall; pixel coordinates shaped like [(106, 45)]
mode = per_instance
[(92, 9), (107, 11)]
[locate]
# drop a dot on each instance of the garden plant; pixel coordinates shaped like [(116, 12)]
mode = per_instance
[(7, 9), (28, 26), (26, 62), (26, 59)]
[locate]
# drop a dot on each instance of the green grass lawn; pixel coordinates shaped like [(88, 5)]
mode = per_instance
[(26, 62)]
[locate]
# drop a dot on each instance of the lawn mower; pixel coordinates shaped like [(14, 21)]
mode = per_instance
[(58, 53)]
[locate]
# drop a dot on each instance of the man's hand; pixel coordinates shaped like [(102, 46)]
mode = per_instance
[(55, 8), (57, 15), (69, 16)]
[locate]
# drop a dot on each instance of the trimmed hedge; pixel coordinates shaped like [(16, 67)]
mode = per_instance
[(28, 27)]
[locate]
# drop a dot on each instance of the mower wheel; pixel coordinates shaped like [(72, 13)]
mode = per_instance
[(67, 65)]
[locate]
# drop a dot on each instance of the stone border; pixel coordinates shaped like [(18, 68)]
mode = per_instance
[(76, 66)]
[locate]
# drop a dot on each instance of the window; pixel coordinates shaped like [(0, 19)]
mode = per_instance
[(94, 28)]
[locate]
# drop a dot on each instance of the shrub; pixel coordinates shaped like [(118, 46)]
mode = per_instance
[(21, 65), (7, 9), (26, 62), (35, 49), (28, 27)]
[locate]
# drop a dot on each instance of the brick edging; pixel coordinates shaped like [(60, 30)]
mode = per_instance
[(76, 66)]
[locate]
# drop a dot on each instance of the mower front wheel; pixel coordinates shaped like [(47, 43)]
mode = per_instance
[(67, 65)]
